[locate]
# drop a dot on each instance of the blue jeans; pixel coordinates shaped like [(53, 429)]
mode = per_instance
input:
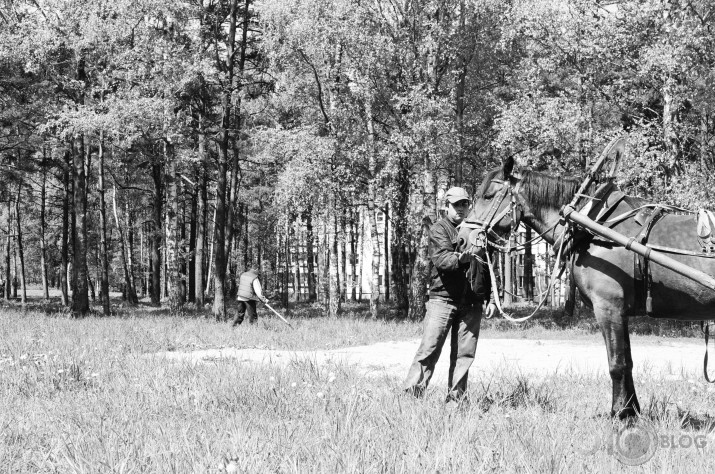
[(443, 315)]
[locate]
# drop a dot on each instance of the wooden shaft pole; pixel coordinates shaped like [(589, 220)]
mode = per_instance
[(630, 244)]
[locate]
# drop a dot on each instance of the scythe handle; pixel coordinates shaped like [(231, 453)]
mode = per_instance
[(278, 314)]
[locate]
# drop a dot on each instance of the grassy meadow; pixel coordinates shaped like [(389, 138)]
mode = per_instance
[(81, 395)]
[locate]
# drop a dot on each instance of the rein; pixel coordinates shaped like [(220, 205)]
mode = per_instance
[(555, 275), (492, 217)]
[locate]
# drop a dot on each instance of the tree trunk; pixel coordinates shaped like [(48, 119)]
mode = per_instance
[(309, 250), (670, 118), (21, 254), (158, 224), (333, 282), (201, 227), (246, 246), (172, 236), (130, 296), (353, 257), (209, 277), (8, 242), (142, 273), (281, 279), (462, 68), (219, 306), (80, 295), (342, 259), (130, 250), (296, 259), (371, 210), (323, 262), (193, 233), (421, 268), (361, 254), (420, 273), (43, 230), (375, 243), (400, 241), (64, 265), (386, 263)]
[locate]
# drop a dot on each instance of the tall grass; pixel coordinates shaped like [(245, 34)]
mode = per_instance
[(80, 396)]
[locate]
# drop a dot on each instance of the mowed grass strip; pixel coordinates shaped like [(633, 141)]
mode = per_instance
[(78, 396)]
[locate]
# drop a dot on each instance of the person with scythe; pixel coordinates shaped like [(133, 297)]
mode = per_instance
[(455, 303), (249, 291)]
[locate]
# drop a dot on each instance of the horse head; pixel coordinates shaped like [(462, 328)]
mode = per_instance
[(496, 210)]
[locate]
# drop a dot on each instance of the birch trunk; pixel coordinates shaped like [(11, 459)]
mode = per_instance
[(421, 268), (296, 259), (310, 256), (106, 308), (172, 236), (201, 229), (343, 271), (43, 230), (333, 279)]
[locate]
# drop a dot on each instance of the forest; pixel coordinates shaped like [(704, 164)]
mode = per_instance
[(161, 148)]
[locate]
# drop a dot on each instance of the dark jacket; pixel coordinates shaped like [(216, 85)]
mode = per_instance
[(448, 278)]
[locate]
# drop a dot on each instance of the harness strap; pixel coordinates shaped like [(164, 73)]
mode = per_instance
[(705, 359), (555, 275)]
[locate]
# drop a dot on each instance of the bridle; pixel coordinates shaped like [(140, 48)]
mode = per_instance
[(492, 215), (482, 226)]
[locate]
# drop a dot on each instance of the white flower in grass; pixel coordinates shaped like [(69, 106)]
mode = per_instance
[(232, 467), (331, 377), (23, 357), (320, 395), (293, 385), (95, 374), (61, 371), (272, 379)]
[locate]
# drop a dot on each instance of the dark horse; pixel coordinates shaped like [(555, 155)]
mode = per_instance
[(604, 272)]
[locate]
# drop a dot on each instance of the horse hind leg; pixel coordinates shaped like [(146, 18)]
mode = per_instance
[(614, 327)]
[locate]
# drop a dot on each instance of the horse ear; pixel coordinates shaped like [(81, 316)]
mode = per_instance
[(508, 167)]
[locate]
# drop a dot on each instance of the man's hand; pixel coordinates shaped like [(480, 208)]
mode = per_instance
[(263, 299), (491, 310), (464, 257)]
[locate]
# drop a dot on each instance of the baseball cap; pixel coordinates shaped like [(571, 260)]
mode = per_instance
[(456, 194)]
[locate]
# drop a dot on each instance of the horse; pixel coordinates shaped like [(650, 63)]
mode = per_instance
[(606, 274)]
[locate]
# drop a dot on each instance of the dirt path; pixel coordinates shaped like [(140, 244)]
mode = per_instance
[(667, 358)]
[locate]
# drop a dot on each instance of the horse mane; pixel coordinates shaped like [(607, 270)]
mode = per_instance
[(544, 192)]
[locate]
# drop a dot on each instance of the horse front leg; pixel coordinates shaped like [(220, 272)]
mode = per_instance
[(614, 327)]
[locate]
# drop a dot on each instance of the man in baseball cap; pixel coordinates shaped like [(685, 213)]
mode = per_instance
[(456, 194), (453, 305)]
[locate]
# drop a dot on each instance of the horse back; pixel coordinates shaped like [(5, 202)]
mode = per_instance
[(673, 296)]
